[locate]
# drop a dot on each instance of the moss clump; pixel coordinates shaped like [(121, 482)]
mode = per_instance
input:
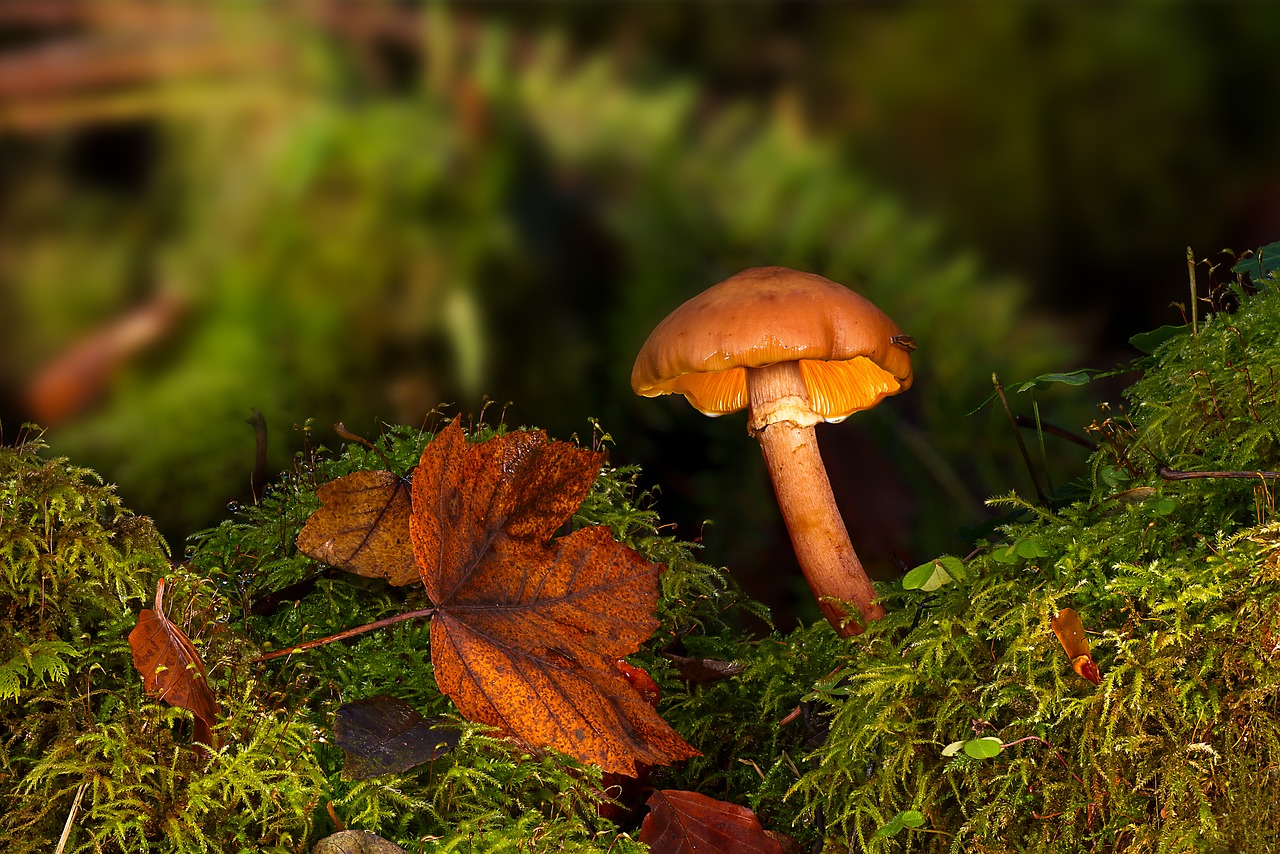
[(80, 738), (1179, 583), (839, 743)]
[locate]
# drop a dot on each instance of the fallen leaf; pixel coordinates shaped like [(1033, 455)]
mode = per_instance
[(639, 679), (1070, 631), (623, 790), (384, 735), (362, 526), (528, 628), (704, 671), (81, 375), (687, 822), (171, 668)]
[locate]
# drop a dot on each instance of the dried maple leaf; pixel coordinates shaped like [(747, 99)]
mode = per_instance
[(362, 526), (171, 668), (527, 628), (684, 822)]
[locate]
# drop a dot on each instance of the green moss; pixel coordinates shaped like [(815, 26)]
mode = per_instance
[(1177, 580), (832, 741), (483, 792), (80, 738)]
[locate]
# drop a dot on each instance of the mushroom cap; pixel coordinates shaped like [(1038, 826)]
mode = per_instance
[(851, 354)]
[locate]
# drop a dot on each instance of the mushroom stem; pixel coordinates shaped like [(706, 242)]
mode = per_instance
[(818, 534)]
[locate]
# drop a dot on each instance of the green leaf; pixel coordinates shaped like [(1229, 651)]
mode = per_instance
[(983, 748), (934, 574), (953, 748), (1261, 263), (1019, 551), (1007, 554), (1043, 381), (906, 818), (1147, 342), (1031, 548)]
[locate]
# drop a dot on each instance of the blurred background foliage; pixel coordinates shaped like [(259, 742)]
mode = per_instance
[(356, 212)]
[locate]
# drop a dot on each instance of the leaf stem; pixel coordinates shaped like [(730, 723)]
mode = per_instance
[(349, 633)]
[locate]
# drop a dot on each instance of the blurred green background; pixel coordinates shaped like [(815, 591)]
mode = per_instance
[(356, 212)]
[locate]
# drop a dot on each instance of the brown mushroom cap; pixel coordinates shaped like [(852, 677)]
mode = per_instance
[(851, 354)]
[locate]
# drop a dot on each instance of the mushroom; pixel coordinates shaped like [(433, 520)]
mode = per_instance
[(794, 349)]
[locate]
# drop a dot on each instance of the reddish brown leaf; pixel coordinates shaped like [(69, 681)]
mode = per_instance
[(362, 526), (82, 374), (687, 822), (171, 668), (639, 679), (528, 628), (623, 790)]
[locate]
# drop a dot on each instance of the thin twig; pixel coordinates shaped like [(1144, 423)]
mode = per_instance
[(1030, 423), (1173, 474), (1191, 274), (1026, 457), (71, 818)]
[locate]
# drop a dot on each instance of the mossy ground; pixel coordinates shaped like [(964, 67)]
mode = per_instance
[(1177, 581)]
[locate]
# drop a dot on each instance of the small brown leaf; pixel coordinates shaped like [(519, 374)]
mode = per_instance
[(527, 628), (362, 527), (687, 822), (704, 671), (385, 735), (171, 668)]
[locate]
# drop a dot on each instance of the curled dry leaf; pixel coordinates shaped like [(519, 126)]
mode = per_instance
[(528, 628), (687, 822), (171, 668), (362, 527), (639, 679), (1070, 631)]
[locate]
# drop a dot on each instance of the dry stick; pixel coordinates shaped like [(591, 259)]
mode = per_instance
[(1026, 457), (1191, 273), (349, 633), (1025, 421), (71, 818), (1173, 474)]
